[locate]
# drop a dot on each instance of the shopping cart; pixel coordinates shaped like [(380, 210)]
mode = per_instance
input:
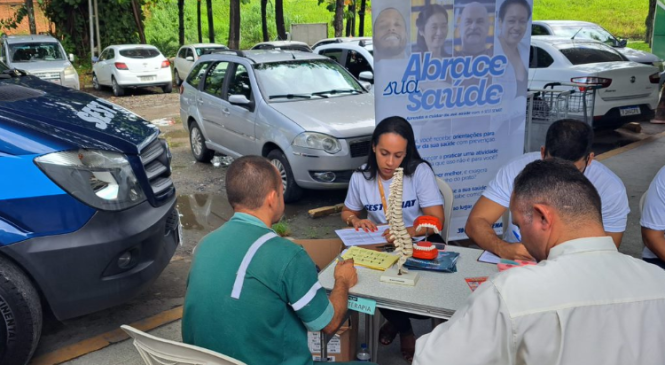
[(559, 101)]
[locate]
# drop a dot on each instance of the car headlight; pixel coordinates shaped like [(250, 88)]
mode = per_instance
[(318, 141), (101, 179), (70, 71)]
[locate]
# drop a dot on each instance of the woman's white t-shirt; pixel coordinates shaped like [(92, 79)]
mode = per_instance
[(419, 190)]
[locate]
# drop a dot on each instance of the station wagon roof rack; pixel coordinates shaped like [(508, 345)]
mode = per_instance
[(236, 52)]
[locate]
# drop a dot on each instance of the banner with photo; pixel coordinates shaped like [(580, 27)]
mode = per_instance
[(458, 72)]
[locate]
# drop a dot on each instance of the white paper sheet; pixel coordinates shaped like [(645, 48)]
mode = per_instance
[(351, 237), (489, 257)]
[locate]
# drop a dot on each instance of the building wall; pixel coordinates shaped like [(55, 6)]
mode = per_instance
[(8, 9)]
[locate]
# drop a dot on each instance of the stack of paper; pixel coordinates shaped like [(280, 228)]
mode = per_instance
[(370, 258)]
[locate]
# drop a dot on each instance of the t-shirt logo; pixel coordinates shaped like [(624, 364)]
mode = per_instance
[(377, 207)]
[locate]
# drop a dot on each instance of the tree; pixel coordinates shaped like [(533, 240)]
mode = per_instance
[(234, 24), (198, 17), (136, 10), (264, 20), (361, 15), (279, 19), (211, 26), (31, 16), (649, 21), (351, 19), (181, 22), (338, 23)]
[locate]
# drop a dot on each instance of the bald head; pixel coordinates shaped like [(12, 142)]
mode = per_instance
[(390, 34), (474, 28)]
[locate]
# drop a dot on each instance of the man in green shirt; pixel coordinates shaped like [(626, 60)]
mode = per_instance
[(251, 294)]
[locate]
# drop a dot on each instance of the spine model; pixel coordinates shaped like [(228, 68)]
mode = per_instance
[(402, 240)]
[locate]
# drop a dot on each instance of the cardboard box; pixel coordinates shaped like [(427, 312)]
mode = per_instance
[(322, 251), (341, 348)]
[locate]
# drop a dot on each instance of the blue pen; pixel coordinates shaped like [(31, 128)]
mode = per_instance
[(517, 235)]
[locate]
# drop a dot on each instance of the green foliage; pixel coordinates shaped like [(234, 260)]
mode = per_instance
[(623, 18), (282, 228), (640, 45), (161, 24), (13, 22)]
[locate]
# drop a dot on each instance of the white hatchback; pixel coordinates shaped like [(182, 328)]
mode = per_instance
[(626, 90), (131, 66), (189, 54)]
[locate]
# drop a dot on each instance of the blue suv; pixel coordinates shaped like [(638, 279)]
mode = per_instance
[(87, 207)]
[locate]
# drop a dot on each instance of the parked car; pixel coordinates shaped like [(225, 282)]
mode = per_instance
[(304, 112), (626, 90), (131, 66), (42, 56), (587, 30), (340, 40), (354, 54), (284, 45), (188, 54), (87, 207)]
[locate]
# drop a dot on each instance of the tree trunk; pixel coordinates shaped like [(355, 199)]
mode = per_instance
[(338, 23), (211, 26), (234, 24), (198, 17), (279, 19), (136, 8), (31, 16), (649, 21), (361, 18), (181, 22), (264, 20)]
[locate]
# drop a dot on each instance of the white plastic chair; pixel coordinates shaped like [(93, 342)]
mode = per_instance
[(448, 199), (159, 351)]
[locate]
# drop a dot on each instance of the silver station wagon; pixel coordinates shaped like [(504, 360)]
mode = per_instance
[(304, 112)]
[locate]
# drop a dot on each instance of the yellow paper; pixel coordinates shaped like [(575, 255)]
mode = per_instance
[(370, 258)]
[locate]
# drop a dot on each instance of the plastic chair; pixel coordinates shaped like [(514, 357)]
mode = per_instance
[(642, 199), (448, 199), (159, 351)]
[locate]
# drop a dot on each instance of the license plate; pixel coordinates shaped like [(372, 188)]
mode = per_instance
[(55, 81), (147, 78), (633, 110)]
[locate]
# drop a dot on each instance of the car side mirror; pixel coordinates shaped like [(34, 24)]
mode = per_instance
[(366, 76), (366, 84), (239, 99), (623, 43), (95, 59), (71, 57), (189, 58)]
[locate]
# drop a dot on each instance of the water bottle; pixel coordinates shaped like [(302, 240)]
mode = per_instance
[(363, 354)]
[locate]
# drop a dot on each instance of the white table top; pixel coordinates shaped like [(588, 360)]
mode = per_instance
[(435, 294)]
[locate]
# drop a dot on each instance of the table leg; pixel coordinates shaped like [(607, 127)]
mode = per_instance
[(375, 326), (324, 347)]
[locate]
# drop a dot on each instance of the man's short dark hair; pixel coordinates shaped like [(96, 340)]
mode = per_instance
[(568, 139), (559, 184), (249, 180)]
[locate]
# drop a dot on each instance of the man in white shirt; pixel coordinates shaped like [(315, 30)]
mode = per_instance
[(653, 221), (568, 140), (584, 303)]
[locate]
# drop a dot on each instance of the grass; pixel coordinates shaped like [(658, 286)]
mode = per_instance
[(623, 18), (282, 228), (161, 25)]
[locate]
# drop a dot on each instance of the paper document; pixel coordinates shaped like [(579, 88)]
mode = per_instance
[(489, 258), (370, 258), (351, 237)]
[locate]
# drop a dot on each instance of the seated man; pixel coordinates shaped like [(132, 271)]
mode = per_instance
[(251, 294), (566, 139), (584, 303), (653, 221)]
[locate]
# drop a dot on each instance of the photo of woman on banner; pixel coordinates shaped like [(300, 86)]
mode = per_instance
[(513, 24), (473, 25), (390, 35), (432, 31)]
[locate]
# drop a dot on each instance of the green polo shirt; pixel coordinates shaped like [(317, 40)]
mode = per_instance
[(261, 317)]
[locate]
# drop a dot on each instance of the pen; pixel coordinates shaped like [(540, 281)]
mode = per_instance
[(340, 258), (517, 235)]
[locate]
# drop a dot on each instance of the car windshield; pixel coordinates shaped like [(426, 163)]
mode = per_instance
[(31, 52), (299, 80), (596, 33), (200, 51), (583, 53), (139, 52)]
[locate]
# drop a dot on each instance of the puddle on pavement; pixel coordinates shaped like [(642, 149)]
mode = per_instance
[(203, 212)]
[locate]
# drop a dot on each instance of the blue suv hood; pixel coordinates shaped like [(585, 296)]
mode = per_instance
[(68, 118)]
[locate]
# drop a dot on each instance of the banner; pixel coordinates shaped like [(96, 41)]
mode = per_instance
[(458, 72)]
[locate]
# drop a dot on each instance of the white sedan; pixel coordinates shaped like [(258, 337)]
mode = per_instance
[(626, 90), (131, 66)]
